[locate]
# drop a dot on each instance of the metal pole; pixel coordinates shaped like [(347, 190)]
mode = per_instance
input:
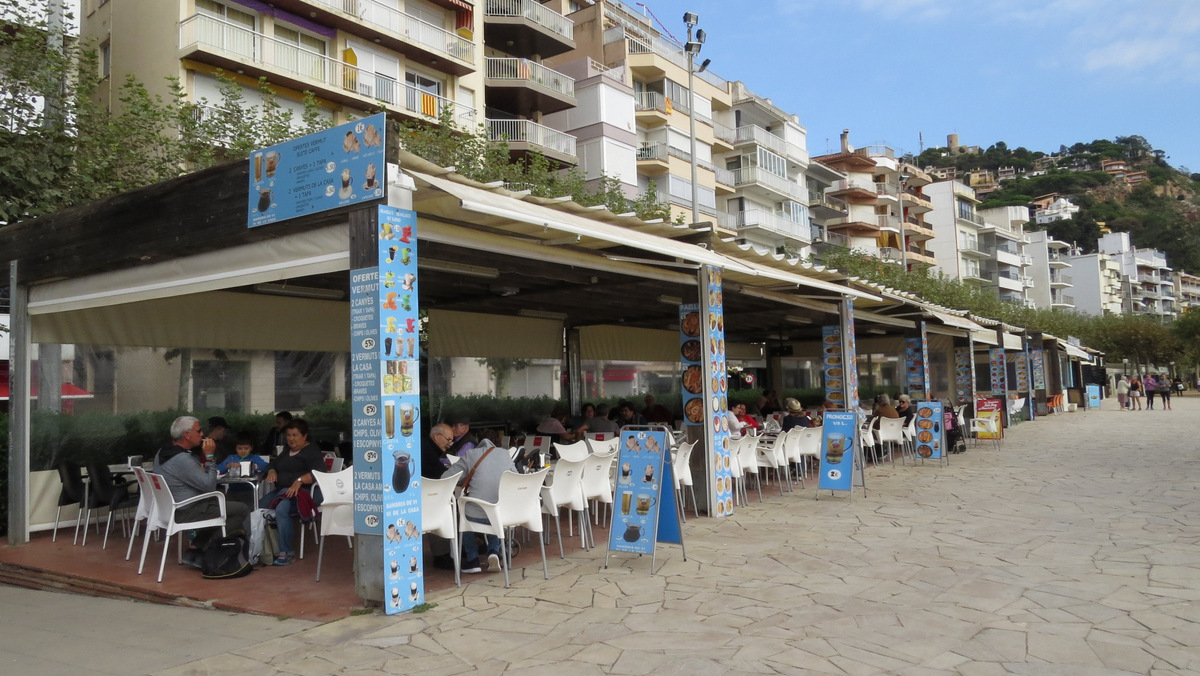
[(691, 66), (18, 423), (903, 221)]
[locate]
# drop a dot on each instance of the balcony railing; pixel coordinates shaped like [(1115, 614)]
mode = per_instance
[(1062, 299), (393, 20), (888, 222), (255, 48), (837, 238), (535, 12), (1060, 279), (853, 184), (508, 68), (653, 151), (532, 133), (756, 175), (912, 248), (724, 132), (1149, 279), (886, 189), (757, 218), (888, 253), (663, 48), (971, 245), (816, 199), (876, 151), (753, 133), (649, 101), (724, 176), (972, 218)]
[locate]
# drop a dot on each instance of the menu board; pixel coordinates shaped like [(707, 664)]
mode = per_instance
[(1093, 396), (1021, 366), (837, 450), (999, 370), (850, 358), (641, 487), (930, 435), (366, 388), (834, 365), (914, 361), (1037, 362), (717, 384), (989, 409), (964, 374), (691, 356), (399, 325), (318, 172)]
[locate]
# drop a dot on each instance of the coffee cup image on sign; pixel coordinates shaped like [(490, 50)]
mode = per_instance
[(347, 190), (649, 477), (370, 183), (414, 592), (626, 473), (395, 597), (412, 564), (394, 567), (644, 503), (835, 447)]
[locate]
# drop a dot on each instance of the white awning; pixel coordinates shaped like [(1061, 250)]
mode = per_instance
[(1075, 351), (954, 320), (985, 337)]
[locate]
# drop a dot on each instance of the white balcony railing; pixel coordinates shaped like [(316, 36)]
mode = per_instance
[(532, 133), (508, 68), (423, 33), (753, 133), (535, 12), (253, 48), (853, 184), (725, 133), (653, 151), (757, 218), (663, 48), (649, 101), (756, 175)]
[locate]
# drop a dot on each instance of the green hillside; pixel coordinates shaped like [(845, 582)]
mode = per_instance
[(1162, 213)]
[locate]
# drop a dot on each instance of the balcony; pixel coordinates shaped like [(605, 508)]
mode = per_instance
[(824, 206), (653, 159), (419, 40), (651, 109), (524, 87), (1058, 260), (888, 223), (763, 220), (759, 136), (971, 219), (526, 27), (891, 254), (853, 189), (1026, 261), (920, 255), (723, 135), (1009, 280), (915, 227), (235, 48), (641, 52), (524, 136), (1007, 256), (1149, 279), (1062, 301), (1059, 281), (972, 248), (854, 226), (975, 275), (1027, 281), (916, 203), (751, 177)]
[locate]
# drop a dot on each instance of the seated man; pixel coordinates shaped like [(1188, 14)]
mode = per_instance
[(464, 438), (433, 451), (600, 423), (796, 415), (657, 413), (482, 467), (187, 479)]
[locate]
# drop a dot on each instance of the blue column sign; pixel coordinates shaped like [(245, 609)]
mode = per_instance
[(365, 389), (834, 365), (998, 364), (964, 374), (318, 172), (837, 450), (1037, 361), (399, 372), (716, 390)]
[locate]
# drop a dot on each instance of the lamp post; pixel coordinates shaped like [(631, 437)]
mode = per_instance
[(1125, 362), (692, 48)]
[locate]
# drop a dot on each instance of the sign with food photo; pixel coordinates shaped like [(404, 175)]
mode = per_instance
[(930, 435), (998, 368)]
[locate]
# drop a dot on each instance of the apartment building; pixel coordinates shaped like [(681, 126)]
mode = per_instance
[(871, 191), (915, 205), (1003, 237), (1051, 273), (957, 247), (1187, 291), (1147, 286), (1059, 209), (1096, 283)]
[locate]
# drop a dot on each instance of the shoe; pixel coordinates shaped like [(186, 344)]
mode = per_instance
[(284, 559), (443, 561), (493, 562), (192, 558), (471, 566)]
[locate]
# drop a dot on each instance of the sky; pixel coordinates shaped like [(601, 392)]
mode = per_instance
[(1032, 73)]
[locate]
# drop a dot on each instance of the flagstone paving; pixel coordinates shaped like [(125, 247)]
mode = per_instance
[(1071, 550)]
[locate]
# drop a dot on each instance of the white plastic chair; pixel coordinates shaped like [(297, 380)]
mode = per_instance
[(987, 426), (566, 490), (519, 504), (808, 445), (748, 458), (890, 431), (682, 469), (771, 456), (163, 516), (145, 508), (792, 454), (604, 444), (336, 509), (735, 470), (575, 451), (439, 517), (598, 485)]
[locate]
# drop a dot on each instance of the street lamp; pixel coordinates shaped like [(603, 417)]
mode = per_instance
[(1126, 363), (692, 49)]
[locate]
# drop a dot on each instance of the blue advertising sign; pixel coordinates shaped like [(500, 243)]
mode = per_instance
[(930, 435), (365, 389), (399, 325), (837, 450), (834, 363), (998, 364), (914, 362), (964, 374), (641, 485), (691, 362), (318, 172), (851, 355), (1037, 360), (1093, 396), (716, 389)]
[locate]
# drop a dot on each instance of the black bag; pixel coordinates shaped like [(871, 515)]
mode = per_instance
[(226, 557)]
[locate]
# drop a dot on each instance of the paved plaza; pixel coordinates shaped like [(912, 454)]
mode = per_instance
[(1072, 550)]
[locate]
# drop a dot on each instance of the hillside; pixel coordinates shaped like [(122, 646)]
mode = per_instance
[(1162, 212)]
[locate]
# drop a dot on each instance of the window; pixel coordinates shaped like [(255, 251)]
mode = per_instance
[(227, 28), (105, 59), (966, 210), (423, 94), (299, 52), (772, 163), (427, 14)]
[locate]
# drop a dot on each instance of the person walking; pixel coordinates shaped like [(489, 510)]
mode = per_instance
[(1123, 393), (1164, 391), (1135, 393), (1149, 385)]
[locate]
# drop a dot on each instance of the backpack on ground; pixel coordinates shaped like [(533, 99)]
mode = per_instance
[(226, 557), (268, 539)]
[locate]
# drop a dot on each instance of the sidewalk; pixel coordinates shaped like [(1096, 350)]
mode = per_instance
[(1072, 550)]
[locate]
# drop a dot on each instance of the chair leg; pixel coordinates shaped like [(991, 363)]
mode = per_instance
[(132, 537), (57, 513), (145, 546), (107, 528), (558, 529), (320, 556), (695, 505), (545, 566), (163, 562), (507, 554), (455, 555)]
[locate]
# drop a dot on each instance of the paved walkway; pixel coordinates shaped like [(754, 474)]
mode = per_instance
[(1070, 551)]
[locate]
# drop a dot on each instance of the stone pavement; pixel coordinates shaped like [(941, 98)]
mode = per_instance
[(1072, 550)]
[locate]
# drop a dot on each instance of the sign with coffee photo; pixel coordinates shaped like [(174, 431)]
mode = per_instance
[(644, 503), (837, 451), (318, 172), (398, 367)]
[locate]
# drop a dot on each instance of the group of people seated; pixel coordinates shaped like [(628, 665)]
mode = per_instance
[(795, 415), (191, 468)]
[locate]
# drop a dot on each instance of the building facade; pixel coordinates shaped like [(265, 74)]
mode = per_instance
[(1096, 283), (1147, 284), (1051, 272)]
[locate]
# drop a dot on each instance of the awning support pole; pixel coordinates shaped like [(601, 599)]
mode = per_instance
[(20, 340)]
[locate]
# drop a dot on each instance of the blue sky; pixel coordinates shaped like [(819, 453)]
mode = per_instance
[(1033, 73)]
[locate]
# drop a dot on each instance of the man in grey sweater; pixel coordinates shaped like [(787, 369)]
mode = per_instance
[(187, 479), (485, 485)]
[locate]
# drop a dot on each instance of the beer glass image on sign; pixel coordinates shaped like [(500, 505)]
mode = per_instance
[(835, 448)]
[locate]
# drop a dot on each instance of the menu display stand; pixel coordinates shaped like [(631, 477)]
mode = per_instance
[(841, 454), (931, 433), (644, 507)]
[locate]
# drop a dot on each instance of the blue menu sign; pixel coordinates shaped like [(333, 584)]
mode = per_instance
[(318, 172), (364, 397), (929, 430), (837, 450), (642, 487), (1093, 397)]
